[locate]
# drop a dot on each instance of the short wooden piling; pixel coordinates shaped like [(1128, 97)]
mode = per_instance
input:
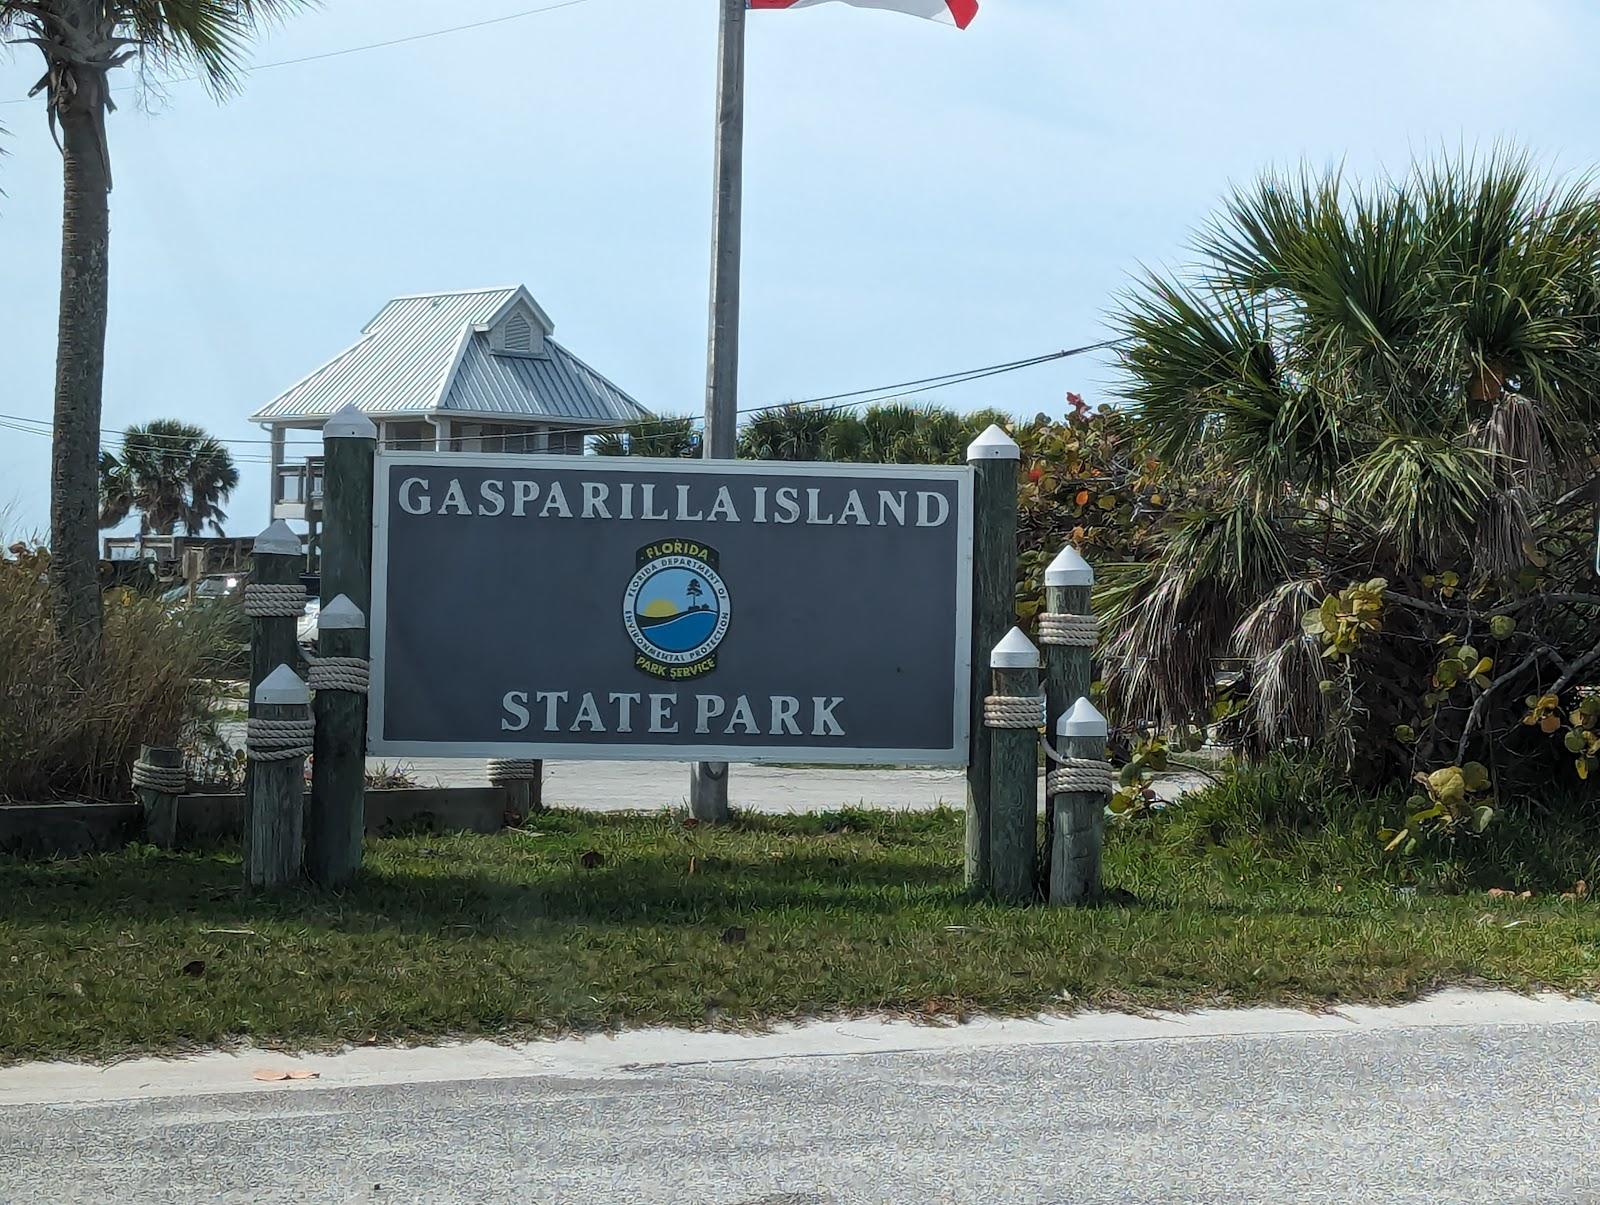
[(995, 457), (158, 780), (277, 743), (1067, 636), (522, 779), (1014, 714), (334, 828), (337, 818), (1080, 788)]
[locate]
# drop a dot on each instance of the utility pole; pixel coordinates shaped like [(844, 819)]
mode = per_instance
[(708, 781)]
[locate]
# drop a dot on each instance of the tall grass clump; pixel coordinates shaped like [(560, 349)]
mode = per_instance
[(154, 684)]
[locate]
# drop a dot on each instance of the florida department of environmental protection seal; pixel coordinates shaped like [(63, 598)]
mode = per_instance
[(676, 609)]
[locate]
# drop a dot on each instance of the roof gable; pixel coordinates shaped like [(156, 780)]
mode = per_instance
[(412, 354)]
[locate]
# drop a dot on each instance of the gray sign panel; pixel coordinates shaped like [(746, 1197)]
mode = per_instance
[(556, 606)]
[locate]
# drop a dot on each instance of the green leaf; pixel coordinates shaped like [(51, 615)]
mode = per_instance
[(1396, 840), (1501, 626), (1481, 817), (1476, 776), (1574, 741)]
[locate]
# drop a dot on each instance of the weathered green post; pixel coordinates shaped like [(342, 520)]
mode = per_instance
[(158, 780), (994, 456), (1068, 631), (277, 743), (274, 599), (337, 820), (1079, 784), (336, 817), (1014, 714), (522, 779)]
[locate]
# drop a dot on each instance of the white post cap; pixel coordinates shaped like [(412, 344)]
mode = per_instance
[(1083, 720), (993, 444), (349, 423), (283, 687), (341, 615), (1015, 651), (278, 540), (1069, 569)]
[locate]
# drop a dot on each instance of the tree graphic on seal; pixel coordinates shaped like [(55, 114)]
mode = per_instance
[(695, 590)]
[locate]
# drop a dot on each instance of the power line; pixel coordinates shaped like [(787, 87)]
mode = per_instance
[(334, 54), (863, 397)]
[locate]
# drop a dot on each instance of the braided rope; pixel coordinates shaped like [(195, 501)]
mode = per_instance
[(278, 740), (1083, 775), (165, 780), (1012, 711), (514, 769), (1075, 631), (339, 673), (263, 600)]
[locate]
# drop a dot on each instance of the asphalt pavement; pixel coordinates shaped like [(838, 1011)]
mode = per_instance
[(1463, 1098)]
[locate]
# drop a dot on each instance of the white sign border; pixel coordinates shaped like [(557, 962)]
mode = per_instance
[(957, 755)]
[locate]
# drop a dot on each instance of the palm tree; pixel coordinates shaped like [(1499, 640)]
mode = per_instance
[(673, 437), (1400, 381), (83, 41), (173, 474), (788, 432)]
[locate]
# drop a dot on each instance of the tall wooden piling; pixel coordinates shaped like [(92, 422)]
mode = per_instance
[(1014, 714), (337, 821), (994, 456), (1067, 634), (274, 599)]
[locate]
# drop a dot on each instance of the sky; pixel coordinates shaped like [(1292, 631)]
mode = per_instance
[(918, 200)]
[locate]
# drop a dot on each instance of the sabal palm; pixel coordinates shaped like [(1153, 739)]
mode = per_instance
[(83, 42), (173, 474), (672, 437), (1380, 380)]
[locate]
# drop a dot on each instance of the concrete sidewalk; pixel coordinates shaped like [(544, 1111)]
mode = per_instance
[(651, 785)]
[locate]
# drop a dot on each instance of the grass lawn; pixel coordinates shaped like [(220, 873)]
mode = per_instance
[(588, 922)]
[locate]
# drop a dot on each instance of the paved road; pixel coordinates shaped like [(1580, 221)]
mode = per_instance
[(1461, 1099)]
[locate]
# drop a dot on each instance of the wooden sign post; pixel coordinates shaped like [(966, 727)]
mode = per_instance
[(340, 673), (995, 458)]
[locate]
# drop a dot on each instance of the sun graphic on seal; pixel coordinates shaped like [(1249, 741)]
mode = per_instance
[(659, 608)]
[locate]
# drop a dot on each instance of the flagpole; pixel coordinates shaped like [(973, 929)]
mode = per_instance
[(708, 781)]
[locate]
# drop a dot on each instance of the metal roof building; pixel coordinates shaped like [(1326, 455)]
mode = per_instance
[(475, 370)]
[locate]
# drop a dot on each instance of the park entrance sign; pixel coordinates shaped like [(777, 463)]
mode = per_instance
[(533, 607)]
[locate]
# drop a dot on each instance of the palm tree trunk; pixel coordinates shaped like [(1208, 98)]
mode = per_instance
[(80, 363)]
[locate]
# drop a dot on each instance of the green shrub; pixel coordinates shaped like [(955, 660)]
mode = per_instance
[(1295, 815), (155, 684)]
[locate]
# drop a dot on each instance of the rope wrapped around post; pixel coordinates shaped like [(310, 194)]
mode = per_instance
[(1079, 774), (1071, 631), (168, 780), (278, 740), (1013, 711), (352, 674), (265, 600), (504, 771)]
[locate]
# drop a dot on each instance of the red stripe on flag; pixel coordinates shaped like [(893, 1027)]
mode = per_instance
[(963, 11)]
